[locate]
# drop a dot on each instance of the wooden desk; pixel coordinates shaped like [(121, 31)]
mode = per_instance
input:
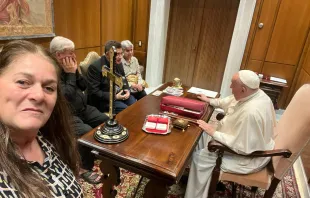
[(273, 90), (161, 158)]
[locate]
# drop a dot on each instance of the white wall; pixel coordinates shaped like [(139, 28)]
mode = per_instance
[(157, 42), (238, 43), (158, 29)]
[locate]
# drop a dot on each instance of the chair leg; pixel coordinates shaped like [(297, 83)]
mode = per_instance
[(215, 175), (234, 189), (274, 183)]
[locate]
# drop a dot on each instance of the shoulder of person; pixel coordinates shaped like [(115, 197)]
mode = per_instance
[(97, 64), (134, 59)]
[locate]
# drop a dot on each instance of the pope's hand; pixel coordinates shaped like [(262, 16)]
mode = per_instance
[(203, 97), (206, 127)]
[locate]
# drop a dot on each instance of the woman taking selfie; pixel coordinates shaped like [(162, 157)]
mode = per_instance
[(38, 155)]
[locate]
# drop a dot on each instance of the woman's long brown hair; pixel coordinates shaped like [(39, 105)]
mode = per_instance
[(58, 131)]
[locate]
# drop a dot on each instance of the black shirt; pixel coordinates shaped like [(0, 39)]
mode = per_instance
[(98, 86), (72, 86)]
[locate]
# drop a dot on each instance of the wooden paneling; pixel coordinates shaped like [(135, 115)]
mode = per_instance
[(116, 20), (304, 77), (251, 35), (216, 32), (262, 36), (82, 53), (45, 42), (290, 32), (306, 63), (281, 71), (281, 44), (141, 56), (183, 39), (303, 68), (78, 20), (141, 21), (255, 66), (86, 23)]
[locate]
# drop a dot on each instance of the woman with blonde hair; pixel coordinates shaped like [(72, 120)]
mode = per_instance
[(38, 155)]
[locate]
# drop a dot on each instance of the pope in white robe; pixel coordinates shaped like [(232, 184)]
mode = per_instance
[(247, 127)]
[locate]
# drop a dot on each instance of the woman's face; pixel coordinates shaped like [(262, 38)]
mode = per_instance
[(128, 53), (28, 92)]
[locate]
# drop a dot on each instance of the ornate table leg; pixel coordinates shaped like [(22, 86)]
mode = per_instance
[(109, 179), (155, 189)]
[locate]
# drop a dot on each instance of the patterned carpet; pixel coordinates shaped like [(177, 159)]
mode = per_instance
[(286, 189)]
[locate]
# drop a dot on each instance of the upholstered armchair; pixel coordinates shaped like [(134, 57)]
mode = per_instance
[(90, 58), (292, 134)]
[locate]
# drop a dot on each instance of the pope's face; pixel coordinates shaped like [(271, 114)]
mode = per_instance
[(28, 93), (236, 87)]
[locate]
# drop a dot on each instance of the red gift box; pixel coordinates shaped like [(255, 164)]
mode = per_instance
[(183, 106)]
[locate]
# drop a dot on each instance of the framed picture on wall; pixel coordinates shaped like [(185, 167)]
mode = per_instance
[(26, 19)]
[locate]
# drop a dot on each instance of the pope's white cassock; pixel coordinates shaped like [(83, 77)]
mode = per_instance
[(247, 127)]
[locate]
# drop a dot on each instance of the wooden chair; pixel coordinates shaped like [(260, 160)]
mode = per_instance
[(90, 58), (292, 134)]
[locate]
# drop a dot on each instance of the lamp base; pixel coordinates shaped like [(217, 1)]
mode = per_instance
[(111, 133)]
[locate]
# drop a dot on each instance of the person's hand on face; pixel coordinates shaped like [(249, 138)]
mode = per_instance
[(206, 127), (203, 97), (69, 64), (139, 87)]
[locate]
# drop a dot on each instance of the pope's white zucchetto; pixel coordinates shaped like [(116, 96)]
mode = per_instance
[(249, 78)]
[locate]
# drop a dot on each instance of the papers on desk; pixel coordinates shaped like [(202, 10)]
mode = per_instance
[(208, 93), (278, 80)]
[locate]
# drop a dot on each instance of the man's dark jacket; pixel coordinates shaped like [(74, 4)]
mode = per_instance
[(99, 86), (72, 87)]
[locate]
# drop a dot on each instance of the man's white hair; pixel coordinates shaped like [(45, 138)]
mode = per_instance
[(60, 43), (126, 43)]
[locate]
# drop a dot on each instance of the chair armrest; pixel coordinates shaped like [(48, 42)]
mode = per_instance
[(215, 145)]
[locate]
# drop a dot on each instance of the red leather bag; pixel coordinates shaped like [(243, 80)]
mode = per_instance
[(183, 106)]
